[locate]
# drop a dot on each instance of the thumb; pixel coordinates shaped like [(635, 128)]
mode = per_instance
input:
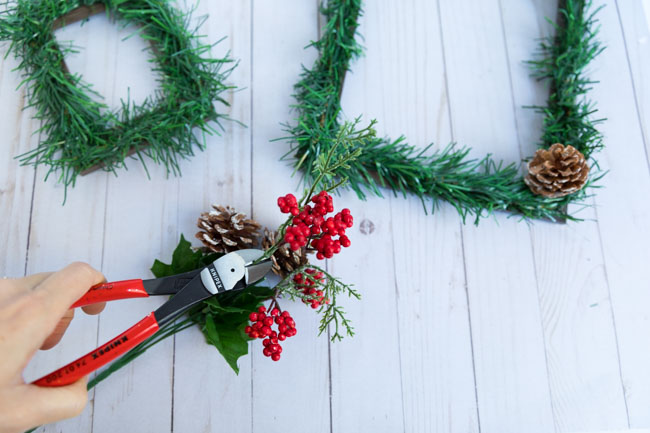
[(28, 406)]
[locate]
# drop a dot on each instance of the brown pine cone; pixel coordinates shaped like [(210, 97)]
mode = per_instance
[(224, 230), (557, 172), (285, 261)]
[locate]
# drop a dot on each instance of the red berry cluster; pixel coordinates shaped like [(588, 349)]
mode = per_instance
[(310, 223), (308, 282), (261, 327), (288, 204)]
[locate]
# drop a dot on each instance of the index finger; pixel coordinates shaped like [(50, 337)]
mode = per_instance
[(61, 289)]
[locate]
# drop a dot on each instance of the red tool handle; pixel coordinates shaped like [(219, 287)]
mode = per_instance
[(101, 356), (111, 292)]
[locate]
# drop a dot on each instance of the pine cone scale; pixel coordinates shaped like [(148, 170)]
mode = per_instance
[(557, 171), (224, 230)]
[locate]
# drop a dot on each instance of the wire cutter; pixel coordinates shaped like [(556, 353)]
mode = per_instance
[(232, 271)]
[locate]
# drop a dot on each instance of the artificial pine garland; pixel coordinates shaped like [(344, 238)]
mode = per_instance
[(474, 187), (80, 134)]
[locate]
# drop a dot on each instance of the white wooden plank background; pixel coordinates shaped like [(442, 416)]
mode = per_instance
[(504, 327)]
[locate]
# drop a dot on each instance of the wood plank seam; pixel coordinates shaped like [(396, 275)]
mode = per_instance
[(634, 86), (613, 316), (462, 236), (399, 341), (320, 22)]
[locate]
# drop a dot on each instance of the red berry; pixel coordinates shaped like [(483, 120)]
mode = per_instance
[(268, 321), (252, 317), (285, 314), (266, 342), (261, 309), (275, 312), (267, 351), (275, 357), (282, 337), (248, 329)]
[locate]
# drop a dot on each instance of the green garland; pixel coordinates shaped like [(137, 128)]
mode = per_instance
[(474, 187), (81, 134)]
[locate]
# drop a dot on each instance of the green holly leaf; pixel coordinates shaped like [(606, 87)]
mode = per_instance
[(184, 259), (160, 269), (226, 315), (209, 258), (229, 340)]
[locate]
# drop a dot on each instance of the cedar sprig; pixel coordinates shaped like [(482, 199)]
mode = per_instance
[(333, 316), (475, 187), (81, 134)]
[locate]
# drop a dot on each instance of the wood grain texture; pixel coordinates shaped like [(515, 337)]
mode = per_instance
[(16, 182), (571, 277), (511, 375), (634, 20), (503, 327), (622, 216), (404, 59)]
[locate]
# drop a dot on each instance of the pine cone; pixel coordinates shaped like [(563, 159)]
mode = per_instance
[(224, 230), (285, 261), (557, 172)]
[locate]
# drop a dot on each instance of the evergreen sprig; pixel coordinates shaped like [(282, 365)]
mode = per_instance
[(81, 134), (474, 187), (333, 316)]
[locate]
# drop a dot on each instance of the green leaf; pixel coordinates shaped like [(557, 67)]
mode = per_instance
[(184, 259), (209, 258), (230, 341), (160, 269), (224, 318)]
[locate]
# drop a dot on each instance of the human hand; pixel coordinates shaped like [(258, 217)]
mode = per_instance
[(34, 313)]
